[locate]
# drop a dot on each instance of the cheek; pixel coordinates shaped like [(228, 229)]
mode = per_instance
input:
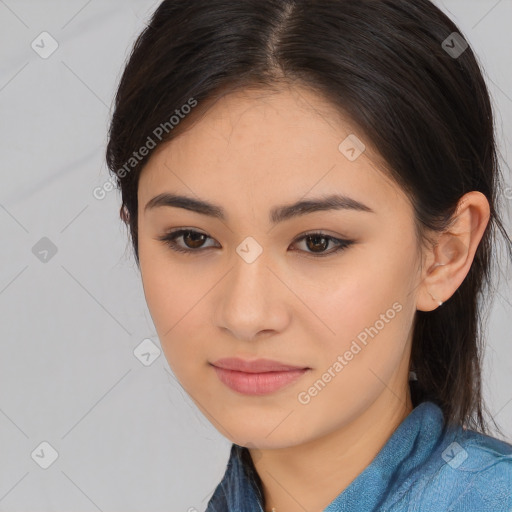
[(175, 298), (169, 287), (369, 309), (161, 295), (370, 312)]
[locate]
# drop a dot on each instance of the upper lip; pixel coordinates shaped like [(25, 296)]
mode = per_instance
[(254, 366)]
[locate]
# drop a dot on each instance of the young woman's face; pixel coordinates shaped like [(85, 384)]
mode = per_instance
[(253, 285)]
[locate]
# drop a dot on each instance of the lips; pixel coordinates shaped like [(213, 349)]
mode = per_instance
[(255, 366)]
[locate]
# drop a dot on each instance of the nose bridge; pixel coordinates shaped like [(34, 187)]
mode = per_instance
[(249, 299), (249, 279)]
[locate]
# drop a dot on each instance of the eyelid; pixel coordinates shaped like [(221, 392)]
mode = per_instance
[(170, 236)]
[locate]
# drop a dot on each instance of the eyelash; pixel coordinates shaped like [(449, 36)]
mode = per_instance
[(169, 240)]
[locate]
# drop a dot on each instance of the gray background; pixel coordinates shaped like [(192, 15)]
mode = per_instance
[(127, 436)]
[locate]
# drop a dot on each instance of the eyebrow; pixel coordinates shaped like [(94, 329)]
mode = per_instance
[(277, 214)]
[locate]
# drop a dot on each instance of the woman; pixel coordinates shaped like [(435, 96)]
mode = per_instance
[(311, 190)]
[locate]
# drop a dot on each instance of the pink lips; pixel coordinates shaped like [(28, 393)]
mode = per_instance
[(258, 377)]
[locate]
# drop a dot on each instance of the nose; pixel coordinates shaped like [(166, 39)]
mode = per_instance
[(252, 301)]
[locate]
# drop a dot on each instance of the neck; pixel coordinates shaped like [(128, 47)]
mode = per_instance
[(310, 475)]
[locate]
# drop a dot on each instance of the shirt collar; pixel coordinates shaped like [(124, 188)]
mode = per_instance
[(409, 446)]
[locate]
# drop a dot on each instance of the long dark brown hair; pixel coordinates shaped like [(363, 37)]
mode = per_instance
[(391, 66)]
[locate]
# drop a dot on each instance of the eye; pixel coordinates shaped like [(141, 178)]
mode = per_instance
[(193, 240), (316, 242)]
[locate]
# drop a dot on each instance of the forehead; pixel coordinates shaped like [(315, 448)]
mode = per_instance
[(264, 144)]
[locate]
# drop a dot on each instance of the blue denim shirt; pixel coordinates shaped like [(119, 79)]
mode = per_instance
[(423, 467)]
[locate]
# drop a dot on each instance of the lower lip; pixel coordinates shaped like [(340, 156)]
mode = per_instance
[(258, 383)]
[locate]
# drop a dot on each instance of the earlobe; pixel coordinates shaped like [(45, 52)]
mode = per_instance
[(439, 302), (454, 252)]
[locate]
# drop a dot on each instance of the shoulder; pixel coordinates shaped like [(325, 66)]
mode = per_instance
[(481, 468), (466, 472)]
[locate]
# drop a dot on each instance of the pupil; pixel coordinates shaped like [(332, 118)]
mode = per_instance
[(316, 239), (197, 237)]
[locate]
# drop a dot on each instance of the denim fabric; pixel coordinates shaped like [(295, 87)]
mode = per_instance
[(422, 467)]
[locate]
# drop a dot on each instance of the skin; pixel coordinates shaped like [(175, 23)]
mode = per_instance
[(251, 151)]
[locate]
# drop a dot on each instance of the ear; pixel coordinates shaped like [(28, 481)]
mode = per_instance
[(124, 214), (448, 262)]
